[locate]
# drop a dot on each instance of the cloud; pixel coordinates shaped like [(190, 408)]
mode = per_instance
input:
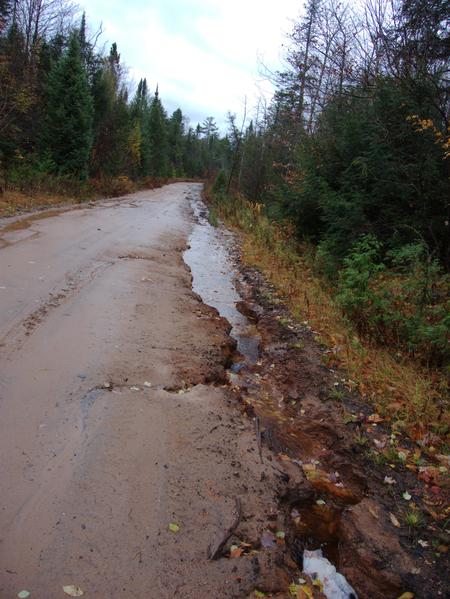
[(202, 53)]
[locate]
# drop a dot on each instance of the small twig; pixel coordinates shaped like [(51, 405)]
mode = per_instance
[(213, 555), (258, 438)]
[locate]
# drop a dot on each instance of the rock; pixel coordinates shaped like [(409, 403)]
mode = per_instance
[(247, 310), (298, 490), (371, 556)]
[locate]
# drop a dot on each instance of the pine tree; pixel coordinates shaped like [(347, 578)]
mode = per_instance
[(67, 132), (157, 133)]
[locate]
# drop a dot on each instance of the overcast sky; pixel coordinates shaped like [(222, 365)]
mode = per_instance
[(204, 54)]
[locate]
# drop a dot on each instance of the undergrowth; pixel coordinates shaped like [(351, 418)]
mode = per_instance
[(369, 316)]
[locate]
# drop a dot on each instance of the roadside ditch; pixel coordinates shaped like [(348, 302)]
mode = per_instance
[(332, 497)]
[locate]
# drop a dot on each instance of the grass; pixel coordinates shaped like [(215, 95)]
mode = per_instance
[(412, 518), (411, 397)]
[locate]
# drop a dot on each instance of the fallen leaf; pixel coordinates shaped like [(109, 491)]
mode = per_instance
[(373, 513), (259, 593), (173, 527), (406, 496), (318, 583), (407, 596), (73, 590), (394, 520), (307, 592), (379, 444), (268, 540), (24, 594), (375, 418), (235, 552)]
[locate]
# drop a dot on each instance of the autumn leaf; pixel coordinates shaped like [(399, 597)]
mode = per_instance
[(73, 590), (235, 551), (394, 520)]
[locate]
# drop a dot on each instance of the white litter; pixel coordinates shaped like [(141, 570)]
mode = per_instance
[(334, 584)]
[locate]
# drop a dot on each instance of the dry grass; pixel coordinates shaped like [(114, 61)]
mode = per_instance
[(14, 202), (413, 398)]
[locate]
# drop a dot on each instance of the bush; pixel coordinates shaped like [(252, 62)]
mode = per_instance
[(406, 306), (220, 183)]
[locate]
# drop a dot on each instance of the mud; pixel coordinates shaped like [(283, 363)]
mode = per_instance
[(335, 498)]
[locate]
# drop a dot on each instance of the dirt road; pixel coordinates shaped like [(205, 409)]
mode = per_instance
[(134, 434), (104, 441)]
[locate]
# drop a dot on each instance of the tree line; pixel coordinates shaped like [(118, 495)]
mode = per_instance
[(353, 152), (66, 109), (356, 139)]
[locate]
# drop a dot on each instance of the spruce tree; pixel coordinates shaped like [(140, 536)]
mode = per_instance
[(176, 142), (67, 133), (157, 135), (139, 113)]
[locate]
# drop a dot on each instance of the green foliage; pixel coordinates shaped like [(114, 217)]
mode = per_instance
[(157, 135), (407, 306), (355, 295), (220, 183), (67, 132), (65, 104)]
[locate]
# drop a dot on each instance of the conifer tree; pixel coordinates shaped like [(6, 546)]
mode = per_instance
[(176, 142), (139, 114), (67, 133), (157, 133)]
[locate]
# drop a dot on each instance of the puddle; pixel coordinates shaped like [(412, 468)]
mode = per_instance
[(213, 275)]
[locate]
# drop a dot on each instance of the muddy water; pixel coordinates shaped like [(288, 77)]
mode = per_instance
[(213, 272)]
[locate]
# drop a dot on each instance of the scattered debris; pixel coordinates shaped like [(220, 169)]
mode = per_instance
[(73, 590), (173, 527), (214, 554), (268, 540), (394, 520), (334, 584)]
